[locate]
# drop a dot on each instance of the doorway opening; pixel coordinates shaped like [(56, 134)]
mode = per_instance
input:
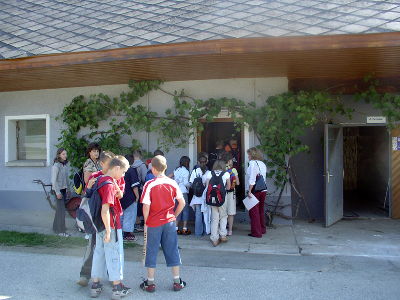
[(366, 172), (224, 130)]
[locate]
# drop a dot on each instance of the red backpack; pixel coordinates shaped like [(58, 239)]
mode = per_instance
[(216, 191)]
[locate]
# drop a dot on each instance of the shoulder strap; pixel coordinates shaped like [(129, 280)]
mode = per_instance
[(258, 167)]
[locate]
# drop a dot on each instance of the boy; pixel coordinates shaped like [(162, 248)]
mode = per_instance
[(159, 215), (108, 256), (129, 204), (104, 159), (141, 170)]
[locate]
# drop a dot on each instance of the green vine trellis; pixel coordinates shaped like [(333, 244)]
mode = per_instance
[(279, 122)]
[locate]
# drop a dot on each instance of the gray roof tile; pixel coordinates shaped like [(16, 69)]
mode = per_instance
[(32, 27)]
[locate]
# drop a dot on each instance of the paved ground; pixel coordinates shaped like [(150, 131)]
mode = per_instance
[(370, 238), (210, 274), (350, 260)]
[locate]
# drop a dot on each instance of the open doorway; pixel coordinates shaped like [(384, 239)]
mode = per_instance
[(224, 130), (366, 172)]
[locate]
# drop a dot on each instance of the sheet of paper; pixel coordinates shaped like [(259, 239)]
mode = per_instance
[(249, 203)]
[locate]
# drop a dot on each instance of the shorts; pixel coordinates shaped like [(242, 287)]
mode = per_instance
[(230, 200), (166, 236), (108, 258)]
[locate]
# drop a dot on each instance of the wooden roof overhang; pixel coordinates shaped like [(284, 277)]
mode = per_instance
[(309, 60)]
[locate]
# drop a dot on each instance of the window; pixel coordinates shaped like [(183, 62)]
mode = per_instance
[(27, 141)]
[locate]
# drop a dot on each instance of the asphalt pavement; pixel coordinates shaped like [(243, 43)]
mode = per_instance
[(34, 273)]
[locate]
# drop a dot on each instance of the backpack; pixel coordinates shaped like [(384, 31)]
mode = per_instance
[(88, 215), (232, 177), (198, 186), (216, 190), (79, 182)]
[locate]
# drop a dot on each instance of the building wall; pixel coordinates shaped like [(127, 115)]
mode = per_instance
[(18, 192), (309, 167)]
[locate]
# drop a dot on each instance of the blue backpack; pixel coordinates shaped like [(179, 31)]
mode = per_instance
[(88, 215)]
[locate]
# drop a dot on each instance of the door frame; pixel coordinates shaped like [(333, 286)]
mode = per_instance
[(195, 144), (389, 156)]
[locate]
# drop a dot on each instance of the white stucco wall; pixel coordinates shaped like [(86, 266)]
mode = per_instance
[(52, 101)]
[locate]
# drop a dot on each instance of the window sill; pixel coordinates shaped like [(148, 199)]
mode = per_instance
[(26, 163)]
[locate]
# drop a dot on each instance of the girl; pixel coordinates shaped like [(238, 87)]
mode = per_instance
[(219, 214), (181, 176), (257, 215), (198, 201), (59, 182), (92, 164), (231, 194)]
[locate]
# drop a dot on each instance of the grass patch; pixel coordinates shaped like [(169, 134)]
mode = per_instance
[(14, 238)]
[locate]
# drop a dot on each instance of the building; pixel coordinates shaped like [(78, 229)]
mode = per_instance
[(52, 51)]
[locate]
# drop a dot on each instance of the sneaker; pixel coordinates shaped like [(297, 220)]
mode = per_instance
[(83, 281), (229, 233), (138, 228), (178, 286), (64, 234), (216, 243), (224, 239), (96, 289), (151, 288), (130, 238), (119, 291), (186, 232)]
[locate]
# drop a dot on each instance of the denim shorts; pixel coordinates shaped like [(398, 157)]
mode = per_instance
[(108, 258), (166, 236)]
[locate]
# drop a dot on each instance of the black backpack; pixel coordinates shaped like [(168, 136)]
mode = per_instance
[(198, 186), (89, 212), (216, 190)]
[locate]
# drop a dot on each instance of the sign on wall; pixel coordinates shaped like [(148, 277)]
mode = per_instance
[(376, 120)]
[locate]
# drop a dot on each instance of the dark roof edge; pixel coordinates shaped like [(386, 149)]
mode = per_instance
[(209, 47)]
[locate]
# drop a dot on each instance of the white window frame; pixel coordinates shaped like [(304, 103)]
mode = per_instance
[(26, 163)]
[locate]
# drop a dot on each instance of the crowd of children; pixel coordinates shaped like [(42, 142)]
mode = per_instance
[(135, 196)]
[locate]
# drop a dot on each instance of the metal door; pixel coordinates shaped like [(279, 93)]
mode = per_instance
[(333, 150)]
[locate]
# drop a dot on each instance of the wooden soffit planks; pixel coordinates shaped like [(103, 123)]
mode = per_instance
[(324, 57)]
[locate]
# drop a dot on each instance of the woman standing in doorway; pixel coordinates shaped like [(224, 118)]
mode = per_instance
[(92, 164), (59, 182), (257, 214)]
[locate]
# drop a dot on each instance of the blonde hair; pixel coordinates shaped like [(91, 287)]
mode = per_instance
[(255, 153), (219, 165), (159, 163)]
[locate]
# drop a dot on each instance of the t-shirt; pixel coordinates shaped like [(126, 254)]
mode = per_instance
[(91, 166), (108, 196), (131, 180), (160, 193), (225, 177)]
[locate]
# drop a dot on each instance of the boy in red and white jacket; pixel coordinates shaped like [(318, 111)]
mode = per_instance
[(158, 200)]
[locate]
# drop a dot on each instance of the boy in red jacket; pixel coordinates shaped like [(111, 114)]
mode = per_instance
[(158, 200)]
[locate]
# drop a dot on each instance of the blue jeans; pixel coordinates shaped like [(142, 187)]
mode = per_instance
[(184, 215), (128, 218), (198, 221), (166, 236)]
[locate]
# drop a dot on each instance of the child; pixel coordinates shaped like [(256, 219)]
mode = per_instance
[(104, 159), (59, 183), (198, 201), (181, 176), (129, 204), (108, 256), (231, 194), (219, 214), (141, 170), (159, 215)]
